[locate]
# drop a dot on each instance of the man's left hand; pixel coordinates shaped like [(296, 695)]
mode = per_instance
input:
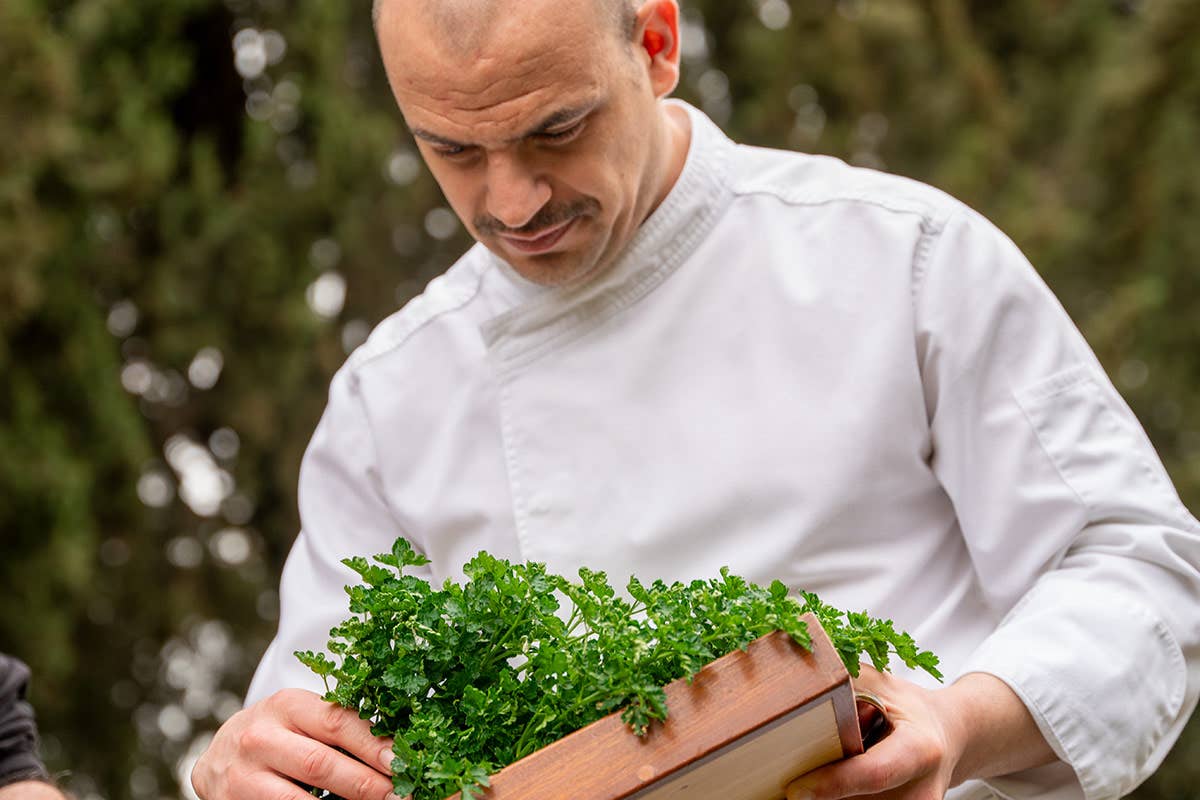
[(975, 728)]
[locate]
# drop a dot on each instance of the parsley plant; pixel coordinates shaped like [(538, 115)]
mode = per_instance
[(472, 677)]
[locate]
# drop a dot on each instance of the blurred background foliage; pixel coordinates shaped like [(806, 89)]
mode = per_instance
[(205, 205)]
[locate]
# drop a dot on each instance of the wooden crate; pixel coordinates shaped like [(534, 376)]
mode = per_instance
[(742, 730)]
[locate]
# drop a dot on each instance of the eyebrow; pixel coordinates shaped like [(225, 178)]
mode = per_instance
[(552, 121)]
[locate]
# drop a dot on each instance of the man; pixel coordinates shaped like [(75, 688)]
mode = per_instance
[(22, 775), (670, 353)]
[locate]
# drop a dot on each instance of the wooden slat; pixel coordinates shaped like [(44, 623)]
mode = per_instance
[(746, 725)]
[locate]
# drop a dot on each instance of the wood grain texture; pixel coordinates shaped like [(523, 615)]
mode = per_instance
[(747, 724)]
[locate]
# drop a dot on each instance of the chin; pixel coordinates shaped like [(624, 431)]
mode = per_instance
[(555, 269), (552, 276)]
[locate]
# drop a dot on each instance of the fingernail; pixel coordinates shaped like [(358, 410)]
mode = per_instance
[(386, 758)]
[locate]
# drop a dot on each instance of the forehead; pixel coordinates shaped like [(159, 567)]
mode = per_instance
[(490, 75)]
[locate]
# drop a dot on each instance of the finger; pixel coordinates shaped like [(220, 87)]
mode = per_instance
[(891, 763), (873, 680), (264, 785), (326, 722), (320, 765)]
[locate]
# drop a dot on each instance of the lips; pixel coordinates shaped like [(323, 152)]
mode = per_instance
[(542, 242)]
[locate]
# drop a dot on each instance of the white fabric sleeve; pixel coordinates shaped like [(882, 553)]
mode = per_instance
[(342, 513), (1073, 526)]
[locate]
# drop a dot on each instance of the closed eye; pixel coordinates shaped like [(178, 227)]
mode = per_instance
[(564, 135), (456, 151)]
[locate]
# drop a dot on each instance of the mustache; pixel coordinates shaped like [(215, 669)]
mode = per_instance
[(547, 217)]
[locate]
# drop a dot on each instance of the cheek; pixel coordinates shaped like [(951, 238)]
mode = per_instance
[(460, 191), (610, 173), (626, 157)]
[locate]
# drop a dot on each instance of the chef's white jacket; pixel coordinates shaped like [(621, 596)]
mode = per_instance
[(842, 379)]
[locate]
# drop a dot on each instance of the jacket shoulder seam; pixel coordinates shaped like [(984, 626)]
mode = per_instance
[(929, 213), (407, 322)]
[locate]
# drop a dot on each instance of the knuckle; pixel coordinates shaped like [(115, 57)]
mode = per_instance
[(285, 701), (253, 738), (316, 765), (235, 721), (281, 700), (276, 703), (333, 719), (367, 788)]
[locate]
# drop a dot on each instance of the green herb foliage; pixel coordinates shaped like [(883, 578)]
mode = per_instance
[(472, 677)]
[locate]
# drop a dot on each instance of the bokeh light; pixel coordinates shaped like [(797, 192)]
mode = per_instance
[(327, 294)]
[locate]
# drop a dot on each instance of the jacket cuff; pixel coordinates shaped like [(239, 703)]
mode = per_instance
[(1089, 696)]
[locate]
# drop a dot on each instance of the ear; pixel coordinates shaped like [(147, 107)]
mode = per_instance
[(658, 39)]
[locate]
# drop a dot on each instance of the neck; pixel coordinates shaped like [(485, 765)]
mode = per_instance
[(674, 141)]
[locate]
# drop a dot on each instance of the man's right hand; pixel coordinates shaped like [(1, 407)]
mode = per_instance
[(292, 736)]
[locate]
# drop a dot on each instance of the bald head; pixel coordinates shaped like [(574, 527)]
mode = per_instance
[(454, 17), (544, 129)]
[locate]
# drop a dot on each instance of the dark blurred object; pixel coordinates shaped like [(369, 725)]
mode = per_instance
[(873, 720), (18, 731)]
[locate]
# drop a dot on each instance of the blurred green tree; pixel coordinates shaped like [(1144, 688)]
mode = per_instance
[(205, 205)]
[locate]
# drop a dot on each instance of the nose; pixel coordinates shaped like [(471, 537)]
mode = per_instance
[(515, 192)]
